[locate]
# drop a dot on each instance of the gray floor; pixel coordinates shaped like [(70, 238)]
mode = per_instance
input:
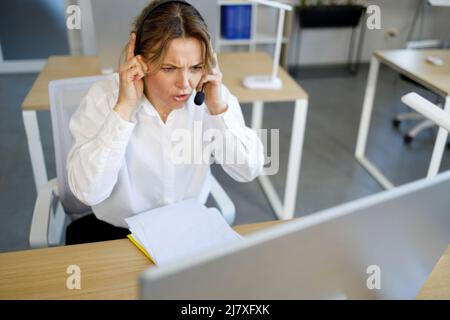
[(329, 174)]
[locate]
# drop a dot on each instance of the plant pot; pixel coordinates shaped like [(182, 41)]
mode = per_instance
[(331, 16)]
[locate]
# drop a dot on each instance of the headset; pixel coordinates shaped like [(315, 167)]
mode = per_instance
[(199, 96)]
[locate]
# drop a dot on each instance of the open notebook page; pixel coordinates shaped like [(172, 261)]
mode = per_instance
[(180, 230)]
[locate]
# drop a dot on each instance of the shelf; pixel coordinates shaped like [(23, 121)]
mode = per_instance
[(259, 39), (240, 2), (234, 3), (268, 39), (231, 42)]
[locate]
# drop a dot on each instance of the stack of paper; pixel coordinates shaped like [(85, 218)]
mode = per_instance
[(179, 231)]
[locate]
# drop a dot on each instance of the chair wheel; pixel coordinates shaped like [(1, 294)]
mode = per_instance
[(407, 139), (396, 123)]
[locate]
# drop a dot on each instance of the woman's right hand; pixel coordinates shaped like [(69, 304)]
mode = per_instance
[(131, 87)]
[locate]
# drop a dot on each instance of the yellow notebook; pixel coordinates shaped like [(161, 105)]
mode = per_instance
[(130, 236)]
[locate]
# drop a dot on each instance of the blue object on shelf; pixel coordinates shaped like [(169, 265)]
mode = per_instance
[(236, 21)]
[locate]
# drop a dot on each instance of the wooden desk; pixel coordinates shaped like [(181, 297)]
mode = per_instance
[(58, 67), (235, 66), (109, 270), (438, 284), (413, 64)]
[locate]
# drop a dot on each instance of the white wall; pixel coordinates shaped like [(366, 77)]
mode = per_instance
[(110, 26), (106, 26), (330, 46)]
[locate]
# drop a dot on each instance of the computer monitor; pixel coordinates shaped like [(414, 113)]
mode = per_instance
[(380, 247)]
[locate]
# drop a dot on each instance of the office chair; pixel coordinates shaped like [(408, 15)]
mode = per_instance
[(421, 44), (423, 124), (430, 111), (55, 201)]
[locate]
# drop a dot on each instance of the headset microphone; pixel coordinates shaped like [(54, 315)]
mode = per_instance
[(200, 96)]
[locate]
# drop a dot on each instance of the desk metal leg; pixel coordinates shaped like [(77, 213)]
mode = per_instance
[(439, 146), (295, 157), (366, 114), (286, 209), (257, 115), (266, 184), (35, 148), (364, 126)]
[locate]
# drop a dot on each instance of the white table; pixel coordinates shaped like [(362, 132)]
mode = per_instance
[(411, 63)]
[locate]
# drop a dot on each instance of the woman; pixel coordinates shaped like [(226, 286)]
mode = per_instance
[(122, 160)]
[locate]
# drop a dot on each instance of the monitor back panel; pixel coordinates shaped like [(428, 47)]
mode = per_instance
[(381, 247)]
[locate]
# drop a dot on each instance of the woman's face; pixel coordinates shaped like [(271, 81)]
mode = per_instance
[(180, 72)]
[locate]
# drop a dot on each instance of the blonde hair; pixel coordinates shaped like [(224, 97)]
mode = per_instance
[(166, 23)]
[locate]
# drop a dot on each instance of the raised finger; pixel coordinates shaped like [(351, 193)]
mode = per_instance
[(216, 68), (131, 44)]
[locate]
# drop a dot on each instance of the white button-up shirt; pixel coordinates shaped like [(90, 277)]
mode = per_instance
[(121, 168)]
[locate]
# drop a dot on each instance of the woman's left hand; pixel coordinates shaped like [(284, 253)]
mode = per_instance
[(213, 90)]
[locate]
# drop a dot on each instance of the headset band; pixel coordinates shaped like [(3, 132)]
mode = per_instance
[(137, 47)]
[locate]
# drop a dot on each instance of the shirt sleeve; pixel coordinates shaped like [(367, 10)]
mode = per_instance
[(100, 141), (234, 146)]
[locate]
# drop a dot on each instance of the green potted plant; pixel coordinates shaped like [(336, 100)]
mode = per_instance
[(331, 13)]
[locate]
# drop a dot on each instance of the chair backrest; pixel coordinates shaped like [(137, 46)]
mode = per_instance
[(65, 96)]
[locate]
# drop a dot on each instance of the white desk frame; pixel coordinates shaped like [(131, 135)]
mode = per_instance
[(285, 210), (364, 125)]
